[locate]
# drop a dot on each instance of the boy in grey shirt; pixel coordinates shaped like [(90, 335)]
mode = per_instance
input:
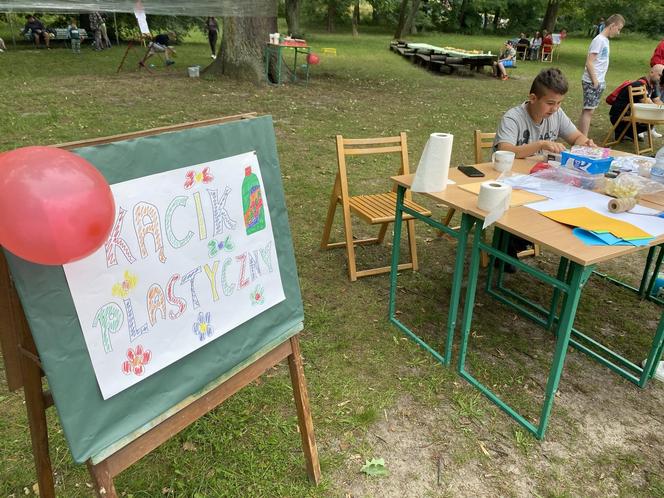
[(534, 126)]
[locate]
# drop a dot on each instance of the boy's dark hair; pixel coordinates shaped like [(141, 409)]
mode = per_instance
[(549, 79)]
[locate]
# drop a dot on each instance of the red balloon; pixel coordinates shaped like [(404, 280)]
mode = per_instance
[(55, 207), (313, 59)]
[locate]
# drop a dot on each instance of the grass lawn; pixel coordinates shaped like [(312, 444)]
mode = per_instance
[(374, 393)]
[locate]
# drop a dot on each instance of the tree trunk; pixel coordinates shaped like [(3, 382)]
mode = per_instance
[(485, 21), (402, 19), (293, 17), (462, 14), (242, 45), (496, 19), (410, 22), (331, 14), (356, 18), (551, 15)]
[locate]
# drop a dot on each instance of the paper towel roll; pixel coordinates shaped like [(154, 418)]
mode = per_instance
[(434, 165), (495, 198)]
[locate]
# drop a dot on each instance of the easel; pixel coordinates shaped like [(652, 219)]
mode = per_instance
[(130, 46), (23, 369)]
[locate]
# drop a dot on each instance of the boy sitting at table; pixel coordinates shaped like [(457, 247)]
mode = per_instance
[(534, 126)]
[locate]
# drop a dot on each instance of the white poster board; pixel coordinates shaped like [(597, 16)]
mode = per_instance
[(191, 256), (142, 19)]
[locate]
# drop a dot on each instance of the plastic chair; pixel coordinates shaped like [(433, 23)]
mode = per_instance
[(375, 209)]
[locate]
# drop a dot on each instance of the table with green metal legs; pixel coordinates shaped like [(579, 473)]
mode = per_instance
[(461, 236), (577, 265), (274, 54), (559, 317)]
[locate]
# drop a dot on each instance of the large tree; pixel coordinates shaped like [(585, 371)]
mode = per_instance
[(551, 15), (242, 43), (293, 16)]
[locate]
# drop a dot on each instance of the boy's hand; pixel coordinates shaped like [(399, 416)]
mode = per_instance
[(552, 146)]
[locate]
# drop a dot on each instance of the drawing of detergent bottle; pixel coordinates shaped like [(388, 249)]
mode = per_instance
[(252, 202)]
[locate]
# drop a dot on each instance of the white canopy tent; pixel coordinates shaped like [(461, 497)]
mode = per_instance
[(225, 8)]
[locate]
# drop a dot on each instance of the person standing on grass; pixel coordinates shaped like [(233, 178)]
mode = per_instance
[(597, 64), (105, 40), (74, 37), (95, 25), (212, 29)]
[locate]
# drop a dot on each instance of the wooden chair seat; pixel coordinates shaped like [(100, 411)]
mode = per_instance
[(380, 208), (375, 209)]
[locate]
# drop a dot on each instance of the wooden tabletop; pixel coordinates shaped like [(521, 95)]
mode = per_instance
[(523, 221)]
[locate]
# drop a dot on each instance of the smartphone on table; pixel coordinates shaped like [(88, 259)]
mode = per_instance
[(471, 171)]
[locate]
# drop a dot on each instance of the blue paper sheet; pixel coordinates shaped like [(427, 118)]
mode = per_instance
[(606, 239)]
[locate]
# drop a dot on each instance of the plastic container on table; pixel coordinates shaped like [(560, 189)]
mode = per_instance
[(590, 165)]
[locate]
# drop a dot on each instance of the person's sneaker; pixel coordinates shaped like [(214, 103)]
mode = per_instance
[(505, 78), (170, 63), (642, 136), (214, 57), (655, 133)]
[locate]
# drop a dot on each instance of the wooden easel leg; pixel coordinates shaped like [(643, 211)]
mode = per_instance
[(124, 57), (36, 407), (305, 422), (103, 480)]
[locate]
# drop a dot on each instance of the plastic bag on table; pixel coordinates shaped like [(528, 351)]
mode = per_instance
[(632, 185)]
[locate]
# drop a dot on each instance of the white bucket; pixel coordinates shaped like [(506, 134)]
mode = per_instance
[(194, 71)]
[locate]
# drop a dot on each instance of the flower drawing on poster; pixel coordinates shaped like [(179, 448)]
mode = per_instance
[(191, 249), (136, 361)]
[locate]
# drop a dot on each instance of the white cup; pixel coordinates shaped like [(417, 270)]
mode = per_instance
[(502, 160)]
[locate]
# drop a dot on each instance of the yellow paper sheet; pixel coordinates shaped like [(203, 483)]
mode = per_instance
[(588, 219), (519, 197)]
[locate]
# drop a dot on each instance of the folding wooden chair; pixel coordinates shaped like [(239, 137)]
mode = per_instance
[(547, 52), (375, 209), (522, 50), (627, 116)]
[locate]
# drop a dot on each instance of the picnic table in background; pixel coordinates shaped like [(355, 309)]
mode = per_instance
[(446, 60)]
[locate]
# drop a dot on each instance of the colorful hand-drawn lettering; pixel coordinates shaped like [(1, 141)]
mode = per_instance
[(192, 177), (214, 247), (202, 327), (122, 289), (252, 202), (257, 295), (136, 359)]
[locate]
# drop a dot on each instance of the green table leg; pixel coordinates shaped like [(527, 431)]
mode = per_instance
[(578, 277), (467, 223)]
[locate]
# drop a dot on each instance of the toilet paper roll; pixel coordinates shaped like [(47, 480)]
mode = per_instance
[(434, 166), (494, 198)]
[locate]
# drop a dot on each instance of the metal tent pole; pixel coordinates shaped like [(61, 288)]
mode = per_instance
[(11, 28), (115, 24)]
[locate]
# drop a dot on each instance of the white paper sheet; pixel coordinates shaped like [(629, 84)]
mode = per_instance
[(191, 256), (599, 203)]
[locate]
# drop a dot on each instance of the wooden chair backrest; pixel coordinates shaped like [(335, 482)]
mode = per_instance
[(482, 141), (640, 91), (364, 146)]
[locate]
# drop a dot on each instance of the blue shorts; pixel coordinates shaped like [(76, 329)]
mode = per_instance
[(508, 63)]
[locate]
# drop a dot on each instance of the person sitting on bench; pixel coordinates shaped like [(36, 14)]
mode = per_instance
[(506, 59), (36, 27), (160, 45)]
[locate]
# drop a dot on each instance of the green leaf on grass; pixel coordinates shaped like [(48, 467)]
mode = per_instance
[(375, 467)]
